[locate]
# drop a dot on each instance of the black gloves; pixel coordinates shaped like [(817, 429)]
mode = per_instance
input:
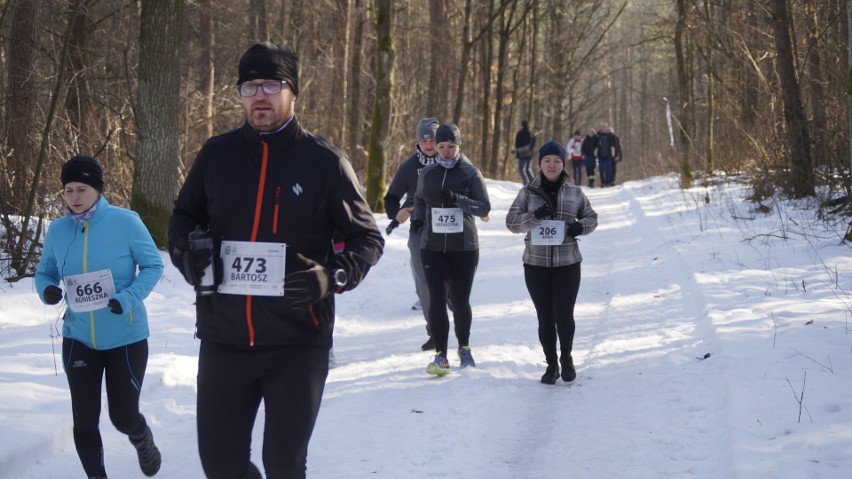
[(191, 263), (417, 226), (544, 211), (575, 229), (305, 288), (115, 307), (52, 294), (448, 196)]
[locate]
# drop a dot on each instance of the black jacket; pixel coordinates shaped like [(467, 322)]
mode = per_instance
[(309, 192), (469, 185), (404, 184)]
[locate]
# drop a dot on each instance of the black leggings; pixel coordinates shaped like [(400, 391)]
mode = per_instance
[(85, 367), (232, 382), (554, 292), (450, 273)]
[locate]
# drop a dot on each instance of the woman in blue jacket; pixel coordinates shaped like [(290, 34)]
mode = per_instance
[(95, 250)]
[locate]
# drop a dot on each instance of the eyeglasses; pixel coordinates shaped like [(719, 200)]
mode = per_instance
[(269, 87)]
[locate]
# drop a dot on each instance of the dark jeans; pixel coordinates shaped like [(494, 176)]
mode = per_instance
[(85, 368), (578, 171), (554, 292), (606, 170), (231, 384), (524, 170), (450, 273)]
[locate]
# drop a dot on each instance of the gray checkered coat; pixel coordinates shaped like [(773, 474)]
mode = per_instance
[(572, 205)]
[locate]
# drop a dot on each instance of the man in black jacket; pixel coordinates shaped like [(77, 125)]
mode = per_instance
[(271, 195), (524, 144)]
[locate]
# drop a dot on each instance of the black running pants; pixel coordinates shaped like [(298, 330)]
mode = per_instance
[(124, 368), (450, 273), (554, 292), (231, 384)]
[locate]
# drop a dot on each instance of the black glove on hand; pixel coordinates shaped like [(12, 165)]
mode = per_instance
[(192, 263), (52, 294), (305, 288), (448, 196), (417, 226), (544, 211), (575, 229), (115, 307)]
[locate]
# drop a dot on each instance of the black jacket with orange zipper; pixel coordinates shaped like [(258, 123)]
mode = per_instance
[(286, 187)]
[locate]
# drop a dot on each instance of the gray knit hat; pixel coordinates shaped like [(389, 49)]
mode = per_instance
[(427, 128)]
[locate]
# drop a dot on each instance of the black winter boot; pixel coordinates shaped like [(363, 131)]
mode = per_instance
[(149, 455), (568, 372), (591, 182), (551, 375)]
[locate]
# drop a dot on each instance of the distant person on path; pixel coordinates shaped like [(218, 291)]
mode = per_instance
[(574, 151), (524, 144), (272, 195), (96, 250), (404, 184), (553, 213), (450, 194), (589, 150), (609, 153)]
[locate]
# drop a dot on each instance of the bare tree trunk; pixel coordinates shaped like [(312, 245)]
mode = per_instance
[(207, 65), (21, 106), (78, 97), (817, 91), (378, 150), (467, 46), (258, 26), (711, 98), (849, 102), (340, 57), (157, 120), (355, 125), (686, 174), (436, 99), (798, 135), (485, 71)]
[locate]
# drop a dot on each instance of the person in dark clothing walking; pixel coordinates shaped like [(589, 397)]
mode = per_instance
[(272, 195), (553, 213), (589, 150), (450, 194), (609, 153), (404, 184), (109, 264), (524, 144)]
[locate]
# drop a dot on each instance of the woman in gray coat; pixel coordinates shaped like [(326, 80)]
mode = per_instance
[(553, 213)]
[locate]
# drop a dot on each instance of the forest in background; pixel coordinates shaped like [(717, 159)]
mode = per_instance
[(755, 87)]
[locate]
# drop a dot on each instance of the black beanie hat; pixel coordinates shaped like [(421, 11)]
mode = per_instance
[(83, 169), (551, 148), (268, 61), (448, 132)]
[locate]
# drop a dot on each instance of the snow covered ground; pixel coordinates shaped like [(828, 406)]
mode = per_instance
[(712, 342)]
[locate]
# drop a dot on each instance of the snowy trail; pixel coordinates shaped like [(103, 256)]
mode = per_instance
[(666, 279), (641, 329)]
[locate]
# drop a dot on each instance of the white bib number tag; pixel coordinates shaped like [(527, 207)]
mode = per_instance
[(90, 291), (447, 220), (548, 232), (255, 269)]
